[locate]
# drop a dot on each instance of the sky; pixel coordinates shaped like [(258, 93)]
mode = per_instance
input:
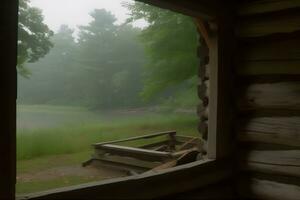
[(76, 12)]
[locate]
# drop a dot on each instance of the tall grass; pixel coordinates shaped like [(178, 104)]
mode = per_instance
[(78, 138)]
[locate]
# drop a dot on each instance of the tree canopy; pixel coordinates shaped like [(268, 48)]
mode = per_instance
[(170, 43), (33, 36), (100, 70)]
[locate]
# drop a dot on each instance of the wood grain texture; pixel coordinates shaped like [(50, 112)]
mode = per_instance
[(282, 95), (266, 189), (280, 162), (270, 49), (136, 138), (266, 6), (268, 67), (256, 26), (273, 130)]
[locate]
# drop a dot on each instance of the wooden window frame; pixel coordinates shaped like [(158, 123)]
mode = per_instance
[(193, 175)]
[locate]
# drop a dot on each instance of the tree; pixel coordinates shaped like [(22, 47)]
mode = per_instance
[(52, 76), (112, 59), (33, 36), (170, 42)]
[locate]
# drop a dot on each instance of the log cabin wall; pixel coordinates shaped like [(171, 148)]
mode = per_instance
[(268, 99)]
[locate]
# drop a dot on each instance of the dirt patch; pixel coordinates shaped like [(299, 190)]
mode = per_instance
[(67, 171)]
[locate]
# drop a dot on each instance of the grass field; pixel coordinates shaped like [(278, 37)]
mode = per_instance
[(52, 137)]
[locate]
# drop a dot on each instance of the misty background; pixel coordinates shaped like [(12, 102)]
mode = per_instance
[(107, 55), (91, 71)]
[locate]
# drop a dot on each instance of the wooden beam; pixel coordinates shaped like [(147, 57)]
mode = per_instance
[(281, 95), (143, 154), (275, 162), (257, 26), (266, 6), (205, 9), (268, 67), (269, 190), (8, 56), (220, 123), (270, 49), (136, 138), (271, 130)]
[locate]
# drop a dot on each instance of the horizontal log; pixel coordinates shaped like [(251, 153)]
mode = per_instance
[(143, 154), (283, 95), (266, 6), (281, 67), (287, 22), (136, 138), (266, 78), (266, 189), (288, 158), (293, 171), (270, 49), (126, 160), (273, 130), (272, 162)]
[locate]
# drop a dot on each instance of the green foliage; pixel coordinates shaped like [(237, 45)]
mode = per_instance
[(170, 42), (33, 36)]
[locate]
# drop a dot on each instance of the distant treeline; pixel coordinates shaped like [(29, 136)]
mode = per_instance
[(112, 66)]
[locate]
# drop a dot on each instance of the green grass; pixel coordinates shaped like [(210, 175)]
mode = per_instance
[(43, 148), (78, 138)]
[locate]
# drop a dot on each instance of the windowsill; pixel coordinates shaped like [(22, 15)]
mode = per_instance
[(149, 185)]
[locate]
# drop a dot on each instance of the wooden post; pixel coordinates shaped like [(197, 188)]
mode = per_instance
[(8, 56), (215, 89), (220, 125)]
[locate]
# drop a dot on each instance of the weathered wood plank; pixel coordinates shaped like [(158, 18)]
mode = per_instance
[(155, 144), (194, 175), (267, 50), (286, 170), (270, 67), (273, 130), (143, 154), (272, 162), (266, 189), (136, 138), (266, 6), (283, 95), (220, 123), (256, 26), (288, 158)]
